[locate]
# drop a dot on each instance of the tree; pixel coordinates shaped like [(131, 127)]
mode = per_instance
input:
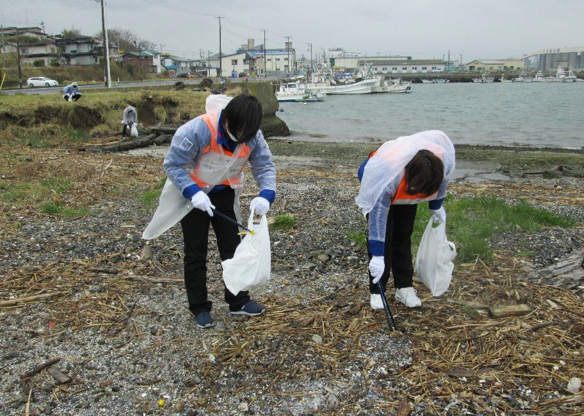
[(127, 40), (70, 33)]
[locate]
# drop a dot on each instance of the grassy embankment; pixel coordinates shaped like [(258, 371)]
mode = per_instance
[(67, 74), (32, 126)]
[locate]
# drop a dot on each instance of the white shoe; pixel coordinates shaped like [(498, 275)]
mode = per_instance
[(376, 302), (407, 296)]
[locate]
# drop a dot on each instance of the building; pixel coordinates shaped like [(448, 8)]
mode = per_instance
[(278, 62), (175, 65), (482, 65), (400, 66), (79, 51), (31, 53), (249, 59), (147, 61), (238, 63), (34, 31), (547, 60)]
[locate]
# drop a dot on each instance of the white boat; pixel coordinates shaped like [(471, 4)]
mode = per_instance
[(294, 92), (331, 87), (395, 86), (505, 80), (484, 79), (563, 77), (523, 78), (539, 77), (435, 81)]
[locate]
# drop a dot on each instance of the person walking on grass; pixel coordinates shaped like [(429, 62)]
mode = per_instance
[(204, 167), (394, 179), (71, 92)]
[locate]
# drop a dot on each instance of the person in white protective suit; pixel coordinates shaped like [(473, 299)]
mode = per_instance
[(394, 179), (130, 122), (204, 167), (71, 92)]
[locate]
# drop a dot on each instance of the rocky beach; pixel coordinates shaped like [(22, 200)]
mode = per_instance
[(95, 321)]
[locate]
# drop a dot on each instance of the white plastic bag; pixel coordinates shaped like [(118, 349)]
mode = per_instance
[(251, 265), (134, 130), (434, 260)]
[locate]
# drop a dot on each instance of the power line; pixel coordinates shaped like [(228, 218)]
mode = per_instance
[(175, 7)]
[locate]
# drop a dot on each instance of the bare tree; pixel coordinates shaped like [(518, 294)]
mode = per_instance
[(127, 40)]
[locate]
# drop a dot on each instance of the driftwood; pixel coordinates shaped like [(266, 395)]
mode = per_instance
[(13, 302), (57, 375), (567, 273), (39, 368), (509, 310)]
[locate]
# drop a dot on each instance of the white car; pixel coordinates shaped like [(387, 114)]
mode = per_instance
[(435, 70), (41, 82)]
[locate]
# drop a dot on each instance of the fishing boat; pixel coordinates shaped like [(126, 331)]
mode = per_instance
[(435, 81), (329, 86), (539, 77), (297, 93), (484, 79), (395, 86), (563, 77), (523, 78)]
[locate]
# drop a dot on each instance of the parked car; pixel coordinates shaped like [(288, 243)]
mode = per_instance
[(437, 70), (41, 82)]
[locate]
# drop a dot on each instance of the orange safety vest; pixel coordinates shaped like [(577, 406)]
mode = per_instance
[(219, 166), (402, 197)]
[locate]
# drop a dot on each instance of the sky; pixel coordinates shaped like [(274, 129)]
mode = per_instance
[(493, 29)]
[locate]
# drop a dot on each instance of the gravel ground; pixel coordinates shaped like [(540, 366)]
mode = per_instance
[(131, 347)]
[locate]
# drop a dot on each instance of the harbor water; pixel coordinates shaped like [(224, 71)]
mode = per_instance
[(507, 114)]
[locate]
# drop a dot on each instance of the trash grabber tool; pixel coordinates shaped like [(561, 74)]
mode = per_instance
[(231, 220), (388, 314)]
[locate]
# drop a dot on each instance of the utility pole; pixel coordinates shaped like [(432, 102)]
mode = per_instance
[(448, 59), (161, 45), (220, 53), (311, 67), (18, 58), (460, 61), (264, 48), (107, 73), (288, 51), (3, 46)]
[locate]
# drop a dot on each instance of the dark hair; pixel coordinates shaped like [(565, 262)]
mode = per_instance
[(243, 117), (424, 173)]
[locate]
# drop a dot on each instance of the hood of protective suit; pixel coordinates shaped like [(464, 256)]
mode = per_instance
[(215, 103), (393, 156)]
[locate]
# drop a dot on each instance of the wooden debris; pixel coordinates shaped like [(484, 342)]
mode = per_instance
[(509, 310), (404, 409), (57, 375), (16, 301), (40, 368), (567, 273)]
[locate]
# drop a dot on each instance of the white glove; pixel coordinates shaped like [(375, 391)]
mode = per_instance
[(201, 201), (376, 267), (260, 205), (438, 215)]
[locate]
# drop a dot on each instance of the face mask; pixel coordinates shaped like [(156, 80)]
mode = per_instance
[(232, 137)]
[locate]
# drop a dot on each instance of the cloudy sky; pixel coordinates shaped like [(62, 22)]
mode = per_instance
[(418, 28)]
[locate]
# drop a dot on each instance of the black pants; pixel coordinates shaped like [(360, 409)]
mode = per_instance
[(398, 248), (195, 226)]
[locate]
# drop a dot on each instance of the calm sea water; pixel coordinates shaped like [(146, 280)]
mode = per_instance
[(535, 114)]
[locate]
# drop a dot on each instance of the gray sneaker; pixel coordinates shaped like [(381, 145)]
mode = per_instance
[(251, 308)]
